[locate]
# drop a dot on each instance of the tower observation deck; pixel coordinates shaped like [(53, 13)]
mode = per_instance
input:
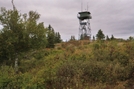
[(84, 25)]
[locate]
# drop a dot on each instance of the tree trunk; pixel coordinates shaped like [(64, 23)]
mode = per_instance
[(16, 64)]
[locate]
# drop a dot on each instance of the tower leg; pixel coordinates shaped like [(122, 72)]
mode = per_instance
[(84, 30)]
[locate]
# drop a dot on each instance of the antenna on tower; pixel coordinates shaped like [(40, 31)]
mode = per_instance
[(81, 5), (84, 23), (87, 6)]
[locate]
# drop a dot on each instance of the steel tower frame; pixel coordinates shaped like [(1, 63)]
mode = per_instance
[(84, 25), (84, 29)]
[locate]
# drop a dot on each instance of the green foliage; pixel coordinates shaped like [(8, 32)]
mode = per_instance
[(112, 37), (72, 38), (52, 37), (96, 65), (57, 37), (20, 33), (131, 38), (107, 38), (93, 38), (100, 35)]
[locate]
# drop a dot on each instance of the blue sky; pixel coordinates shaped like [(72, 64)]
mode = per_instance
[(112, 16)]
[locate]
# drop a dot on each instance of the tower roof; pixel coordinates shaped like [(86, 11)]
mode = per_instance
[(84, 15)]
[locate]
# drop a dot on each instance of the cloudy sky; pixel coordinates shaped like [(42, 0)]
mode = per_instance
[(112, 16)]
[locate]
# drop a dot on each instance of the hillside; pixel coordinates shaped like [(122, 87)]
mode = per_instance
[(73, 65)]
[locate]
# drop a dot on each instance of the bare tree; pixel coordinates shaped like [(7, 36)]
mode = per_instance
[(13, 5)]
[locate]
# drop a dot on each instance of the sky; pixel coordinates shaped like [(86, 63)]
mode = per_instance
[(113, 17)]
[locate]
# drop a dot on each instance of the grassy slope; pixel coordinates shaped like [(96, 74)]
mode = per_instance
[(74, 65)]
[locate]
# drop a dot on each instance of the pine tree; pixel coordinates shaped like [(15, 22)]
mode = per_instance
[(50, 37), (57, 37), (112, 37), (93, 38), (107, 38), (131, 38), (72, 38), (100, 35)]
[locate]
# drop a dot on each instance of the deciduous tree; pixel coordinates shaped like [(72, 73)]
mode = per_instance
[(20, 33)]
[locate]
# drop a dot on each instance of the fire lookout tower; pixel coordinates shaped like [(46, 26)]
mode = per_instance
[(84, 25)]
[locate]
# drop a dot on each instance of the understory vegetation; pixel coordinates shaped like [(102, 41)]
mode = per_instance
[(73, 65)]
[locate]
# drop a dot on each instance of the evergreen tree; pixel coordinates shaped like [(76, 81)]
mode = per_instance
[(57, 37), (131, 38), (84, 37), (81, 37), (112, 37), (107, 38), (100, 35), (50, 37), (93, 38), (72, 38)]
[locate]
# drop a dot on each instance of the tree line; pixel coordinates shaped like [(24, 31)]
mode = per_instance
[(101, 36)]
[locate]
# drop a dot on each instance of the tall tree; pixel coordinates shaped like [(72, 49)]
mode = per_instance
[(100, 35), (107, 38), (131, 38), (50, 37), (93, 38), (112, 37), (57, 37), (20, 33), (72, 38)]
